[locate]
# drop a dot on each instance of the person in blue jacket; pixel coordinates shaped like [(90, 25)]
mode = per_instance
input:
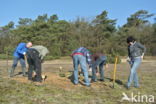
[(19, 53)]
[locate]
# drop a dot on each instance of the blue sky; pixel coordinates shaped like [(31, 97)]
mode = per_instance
[(12, 10)]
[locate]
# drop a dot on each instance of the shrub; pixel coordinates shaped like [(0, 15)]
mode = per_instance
[(4, 56), (51, 57)]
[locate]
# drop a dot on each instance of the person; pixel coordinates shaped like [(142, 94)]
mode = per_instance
[(81, 56), (136, 53), (19, 53), (35, 57), (99, 59)]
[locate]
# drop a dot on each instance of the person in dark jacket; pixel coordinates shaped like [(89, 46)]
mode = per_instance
[(35, 56), (136, 53), (81, 56), (19, 53), (99, 59)]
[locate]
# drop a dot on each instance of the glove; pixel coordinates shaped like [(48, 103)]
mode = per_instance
[(128, 59), (24, 53)]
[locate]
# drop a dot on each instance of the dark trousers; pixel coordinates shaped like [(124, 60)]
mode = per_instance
[(34, 62)]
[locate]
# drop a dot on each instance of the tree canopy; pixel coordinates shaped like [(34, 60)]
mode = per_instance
[(61, 36)]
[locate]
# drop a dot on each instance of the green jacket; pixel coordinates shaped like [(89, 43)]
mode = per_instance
[(42, 50)]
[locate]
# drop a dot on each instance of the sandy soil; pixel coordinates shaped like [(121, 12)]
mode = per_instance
[(52, 70)]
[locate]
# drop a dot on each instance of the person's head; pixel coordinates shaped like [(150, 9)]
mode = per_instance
[(29, 44), (130, 40)]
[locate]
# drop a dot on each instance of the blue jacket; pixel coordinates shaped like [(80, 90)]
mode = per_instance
[(20, 49)]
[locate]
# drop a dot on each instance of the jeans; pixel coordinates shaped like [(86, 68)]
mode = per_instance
[(99, 62), (79, 59), (133, 72), (34, 62), (15, 62)]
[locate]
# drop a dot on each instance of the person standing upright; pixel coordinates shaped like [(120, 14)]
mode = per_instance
[(136, 53)]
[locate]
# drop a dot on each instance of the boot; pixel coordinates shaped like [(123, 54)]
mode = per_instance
[(11, 72)]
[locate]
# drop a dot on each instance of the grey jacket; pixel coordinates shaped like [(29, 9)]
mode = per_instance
[(42, 51), (136, 50)]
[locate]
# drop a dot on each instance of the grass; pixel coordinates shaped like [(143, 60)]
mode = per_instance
[(14, 92)]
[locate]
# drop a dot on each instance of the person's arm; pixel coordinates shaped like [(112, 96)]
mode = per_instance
[(105, 62), (89, 60), (143, 48), (21, 49), (128, 58), (128, 48), (105, 58)]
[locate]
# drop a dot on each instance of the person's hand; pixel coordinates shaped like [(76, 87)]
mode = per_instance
[(42, 61), (142, 57), (90, 69), (24, 53), (128, 59), (106, 66), (97, 74), (34, 74)]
